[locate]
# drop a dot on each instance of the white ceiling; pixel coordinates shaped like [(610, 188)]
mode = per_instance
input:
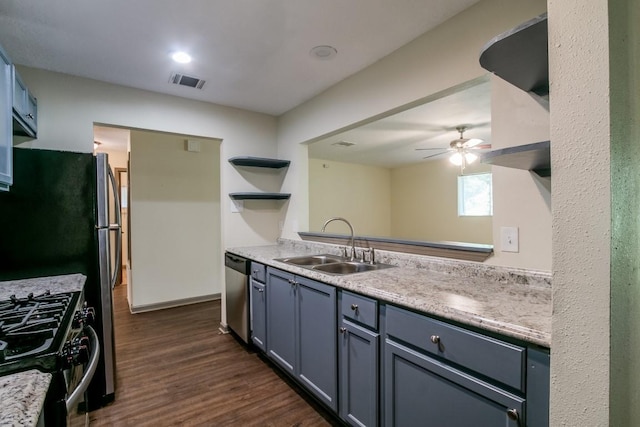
[(393, 140), (252, 54)]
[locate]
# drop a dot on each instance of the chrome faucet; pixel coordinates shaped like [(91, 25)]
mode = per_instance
[(353, 246)]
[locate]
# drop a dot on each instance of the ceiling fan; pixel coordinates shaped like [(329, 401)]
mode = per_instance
[(462, 149)]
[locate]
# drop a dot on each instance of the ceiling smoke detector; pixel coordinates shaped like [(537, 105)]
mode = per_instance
[(323, 52), (184, 80), (344, 143)]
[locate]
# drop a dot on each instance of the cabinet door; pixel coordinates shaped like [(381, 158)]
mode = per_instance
[(258, 315), (24, 108), (358, 375), (423, 392), (281, 319), (6, 139), (317, 334)]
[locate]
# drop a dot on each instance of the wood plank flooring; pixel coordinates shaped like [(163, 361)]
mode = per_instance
[(175, 368)]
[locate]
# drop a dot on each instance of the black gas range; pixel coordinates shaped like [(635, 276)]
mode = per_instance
[(50, 333)]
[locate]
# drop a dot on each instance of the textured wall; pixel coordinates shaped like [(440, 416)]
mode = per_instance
[(580, 160)]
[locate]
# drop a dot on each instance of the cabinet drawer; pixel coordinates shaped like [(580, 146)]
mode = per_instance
[(361, 309), (259, 272), (493, 358)]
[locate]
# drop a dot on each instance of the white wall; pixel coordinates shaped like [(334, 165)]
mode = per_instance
[(424, 199), (441, 58), (521, 198), (68, 107), (175, 219), (595, 134), (360, 193)]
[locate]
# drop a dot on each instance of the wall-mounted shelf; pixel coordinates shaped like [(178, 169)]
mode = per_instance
[(534, 157), (521, 56), (259, 162), (260, 196)]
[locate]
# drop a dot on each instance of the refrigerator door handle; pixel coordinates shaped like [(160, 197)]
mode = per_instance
[(117, 227)]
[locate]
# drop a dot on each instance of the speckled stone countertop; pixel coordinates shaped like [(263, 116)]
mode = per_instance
[(511, 302), (56, 284), (22, 396)]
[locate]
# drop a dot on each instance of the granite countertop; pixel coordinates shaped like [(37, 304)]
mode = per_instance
[(22, 396), (511, 302), (56, 284)]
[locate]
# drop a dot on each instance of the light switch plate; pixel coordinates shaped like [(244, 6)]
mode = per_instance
[(509, 239)]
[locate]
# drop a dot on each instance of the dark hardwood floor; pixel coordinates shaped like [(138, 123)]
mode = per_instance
[(175, 368)]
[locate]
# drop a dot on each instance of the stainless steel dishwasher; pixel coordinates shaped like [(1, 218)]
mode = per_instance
[(236, 270)]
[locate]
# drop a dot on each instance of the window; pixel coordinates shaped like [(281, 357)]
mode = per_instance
[(475, 195)]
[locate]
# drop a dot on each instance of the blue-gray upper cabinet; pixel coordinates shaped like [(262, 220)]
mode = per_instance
[(6, 140), (25, 108), (302, 332), (358, 347), (437, 374)]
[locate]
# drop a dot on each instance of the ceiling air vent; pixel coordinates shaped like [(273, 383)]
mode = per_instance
[(344, 143), (183, 80)]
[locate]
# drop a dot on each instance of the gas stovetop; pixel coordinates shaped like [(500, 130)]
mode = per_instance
[(33, 330)]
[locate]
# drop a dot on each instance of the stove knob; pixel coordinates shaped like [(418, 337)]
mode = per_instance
[(89, 315), (78, 320), (82, 340), (81, 355)]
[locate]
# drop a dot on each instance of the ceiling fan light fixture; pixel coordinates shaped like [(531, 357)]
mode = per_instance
[(456, 158), (470, 157)]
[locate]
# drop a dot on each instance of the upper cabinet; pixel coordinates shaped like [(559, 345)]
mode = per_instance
[(18, 116), (521, 56), (25, 108), (6, 140)]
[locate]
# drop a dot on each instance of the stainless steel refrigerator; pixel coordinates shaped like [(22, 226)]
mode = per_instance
[(55, 220)]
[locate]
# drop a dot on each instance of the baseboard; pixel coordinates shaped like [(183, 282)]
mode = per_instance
[(174, 303), (223, 328)]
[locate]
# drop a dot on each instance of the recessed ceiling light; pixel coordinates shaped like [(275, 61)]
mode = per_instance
[(344, 143), (323, 52), (181, 57)]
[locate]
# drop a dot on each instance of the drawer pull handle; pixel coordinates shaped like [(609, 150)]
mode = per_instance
[(435, 339), (513, 415), (354, 307), (343, 330)]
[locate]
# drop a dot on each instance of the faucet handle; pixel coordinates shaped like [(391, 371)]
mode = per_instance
[(344, 251)]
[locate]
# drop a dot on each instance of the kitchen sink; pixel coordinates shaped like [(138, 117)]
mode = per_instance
[(349, 267), (332, 264), (312, 260)]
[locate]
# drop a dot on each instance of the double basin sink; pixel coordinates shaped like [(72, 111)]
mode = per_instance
[(332, 264)]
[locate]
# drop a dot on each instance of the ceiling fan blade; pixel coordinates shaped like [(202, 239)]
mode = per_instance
[(422, 149), (473, 142), (481, 147), (434, 155)]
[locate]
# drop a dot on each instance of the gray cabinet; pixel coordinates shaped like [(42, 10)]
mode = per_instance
[(6, 140), (422, 391), (358, 346), (258, 305), (301, 332), (258, 299), (433, 370), (25, 108)]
